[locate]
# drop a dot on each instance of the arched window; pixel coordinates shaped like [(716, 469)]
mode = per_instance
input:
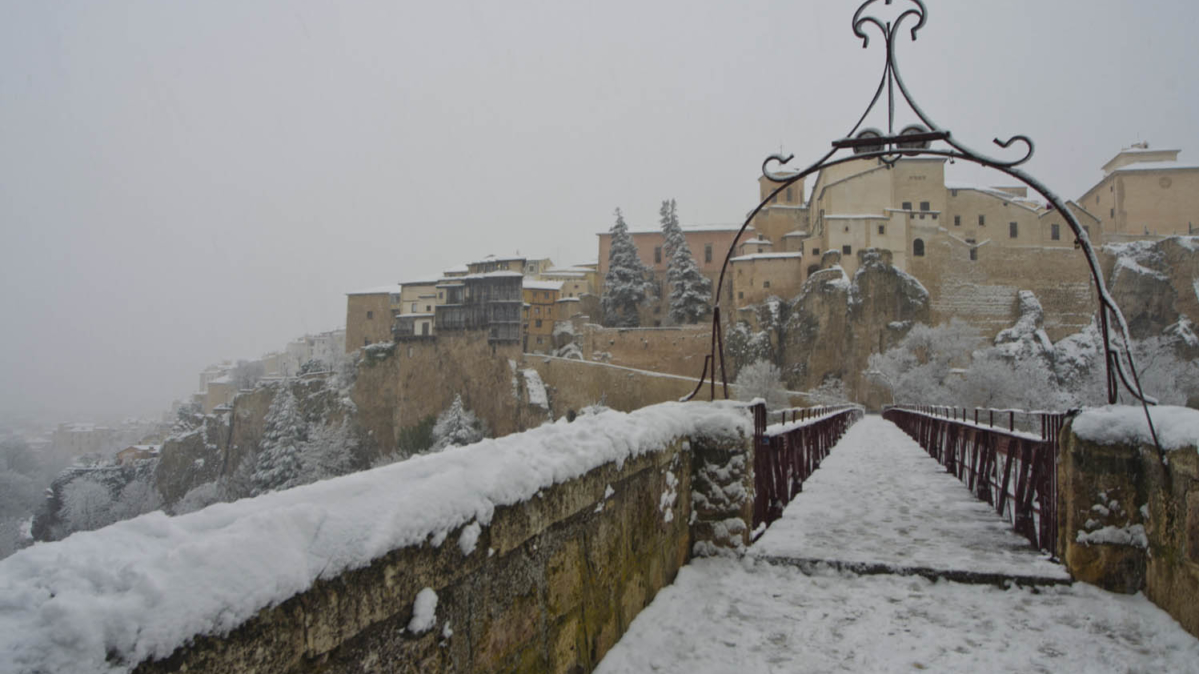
[(918, 247)]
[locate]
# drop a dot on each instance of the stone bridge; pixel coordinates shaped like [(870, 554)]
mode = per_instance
[(696, 537)]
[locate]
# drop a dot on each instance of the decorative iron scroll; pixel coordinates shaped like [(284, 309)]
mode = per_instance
[(918, 140)]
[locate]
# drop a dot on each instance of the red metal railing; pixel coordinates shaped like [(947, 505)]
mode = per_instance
[(1012, 466), (786, 453)]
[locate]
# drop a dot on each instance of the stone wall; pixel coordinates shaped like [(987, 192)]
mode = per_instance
[(1146, 505), (551, 585), (675, 350)]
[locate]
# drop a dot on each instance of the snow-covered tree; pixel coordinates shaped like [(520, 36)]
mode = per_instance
[(830, 392), (279, 465), (198, 497), (328, 452), (690, 291), (87, 505), (625, 285), (762, 380), (138, 497), (457, 426)]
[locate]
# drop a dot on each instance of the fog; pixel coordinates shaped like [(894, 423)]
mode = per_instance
[(182, 183)]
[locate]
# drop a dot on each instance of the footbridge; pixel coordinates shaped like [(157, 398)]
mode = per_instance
[(682, 537)]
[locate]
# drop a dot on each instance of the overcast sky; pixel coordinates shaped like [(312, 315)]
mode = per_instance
[(184, 182)]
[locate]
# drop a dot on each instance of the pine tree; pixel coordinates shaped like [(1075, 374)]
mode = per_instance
[(279, 465), (690, 291), (625, 284), (456, 426)]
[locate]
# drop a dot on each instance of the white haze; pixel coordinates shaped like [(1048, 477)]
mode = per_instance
[(186, 182)]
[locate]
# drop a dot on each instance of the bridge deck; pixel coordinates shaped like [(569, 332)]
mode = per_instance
[(879, 504)]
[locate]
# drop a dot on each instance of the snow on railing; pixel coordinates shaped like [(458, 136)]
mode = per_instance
[(1015, 471), (787, 453)]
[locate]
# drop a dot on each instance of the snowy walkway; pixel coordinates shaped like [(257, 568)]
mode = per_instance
[(880, 503)]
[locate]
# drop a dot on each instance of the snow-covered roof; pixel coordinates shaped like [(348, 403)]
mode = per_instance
[(501, 273), (1155, 166), (856, 216), (460, 269), (420, 283), (766, 256), (530, 284), (416, 315), (568, 299), (797, 232), (757, 241), (1024, 202), (393, 289)]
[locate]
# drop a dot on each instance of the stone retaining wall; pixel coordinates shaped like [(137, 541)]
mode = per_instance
[(551, 584)]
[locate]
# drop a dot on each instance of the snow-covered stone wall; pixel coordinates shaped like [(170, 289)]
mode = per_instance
[(1129, 511), (531, 552)]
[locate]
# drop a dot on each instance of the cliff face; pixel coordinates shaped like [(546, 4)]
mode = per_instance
[(1156, 284), (836, 322)]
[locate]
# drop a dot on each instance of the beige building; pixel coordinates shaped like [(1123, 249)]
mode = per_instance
[(1145, 192), (576, 281), (540, 312), (370, 314)]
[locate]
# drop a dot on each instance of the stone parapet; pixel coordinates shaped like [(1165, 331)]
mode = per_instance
[(1129, 519)]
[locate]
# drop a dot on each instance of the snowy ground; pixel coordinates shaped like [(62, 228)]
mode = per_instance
[(880, 499), (724, 615)]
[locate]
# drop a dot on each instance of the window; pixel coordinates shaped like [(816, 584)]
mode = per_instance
[(957, 221), (973, 254), (982, 221), (370, 315), (366, 341), (1113, 212), (707, 252), (907, 205), (740, 295), (882, 229), (1012, 230), (846, 249), (538, 340), (424, 328), (657, 254), (440, 294), (815, 251), (428, 308), (1055, 232), (414, 307), (536, 311), (953, 193), (924, 206), (918, 247), (765, 284), (537, 323), (789, 194)]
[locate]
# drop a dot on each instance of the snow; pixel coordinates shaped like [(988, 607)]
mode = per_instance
[(424, 611), (725, 615), (1177, 427), (915, 516), (469, 538), (542, 285), (536, 388), (1155, 166), (766, 256), (857, 216), (142, 587), (1131, 535)]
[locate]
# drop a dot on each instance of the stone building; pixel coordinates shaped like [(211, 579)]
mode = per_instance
[(370, 314), (540, 303), (1145, 193)]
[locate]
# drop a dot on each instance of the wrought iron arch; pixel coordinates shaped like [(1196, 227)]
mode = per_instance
[(917, 140)]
